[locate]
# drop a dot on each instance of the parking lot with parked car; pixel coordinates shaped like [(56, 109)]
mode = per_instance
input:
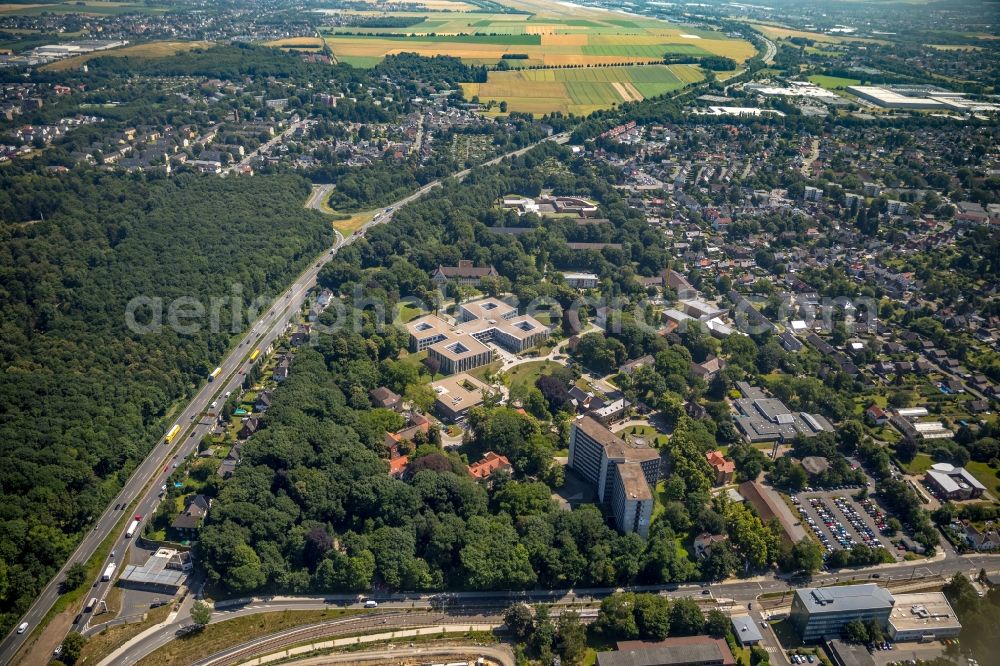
[(841, 522)]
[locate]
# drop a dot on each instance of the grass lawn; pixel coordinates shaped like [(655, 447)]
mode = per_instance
[(985, 474), (220, 635), (525, 375), (407, 312), (920, 464), (351, 223), (832, 82), (652, 436)]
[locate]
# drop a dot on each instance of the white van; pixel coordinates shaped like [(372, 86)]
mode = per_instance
[(371, 604), (23, 627)]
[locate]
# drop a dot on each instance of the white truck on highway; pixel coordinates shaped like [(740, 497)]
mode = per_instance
[(109, 571), (130, 532)]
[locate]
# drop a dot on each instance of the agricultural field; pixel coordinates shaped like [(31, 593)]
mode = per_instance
[(87, 7), (550, 35), (579, 90), (300, 44), (150, 50)]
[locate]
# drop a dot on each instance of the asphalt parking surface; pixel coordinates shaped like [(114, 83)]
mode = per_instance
[(839, 521)]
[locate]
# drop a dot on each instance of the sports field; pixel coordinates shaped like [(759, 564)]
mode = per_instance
[(552, 34), (579, 90)]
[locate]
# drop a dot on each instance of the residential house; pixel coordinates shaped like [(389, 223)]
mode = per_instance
[(708, 369), (704, 542), (282, 369), (490, 464), (981, 540), (384, 398), (228, 465), (250, 426), (876, 415), (187, 524), (724, 469), (263, 402)]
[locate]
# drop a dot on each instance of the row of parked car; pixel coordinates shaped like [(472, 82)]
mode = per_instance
[(801, 658), (866, 533), (836, 528), (876, 514)]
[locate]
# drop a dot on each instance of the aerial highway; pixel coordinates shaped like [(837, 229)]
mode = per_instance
[(140, 494)]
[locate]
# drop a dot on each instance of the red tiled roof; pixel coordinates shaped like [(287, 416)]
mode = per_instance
[(398, 465), (490, 463)]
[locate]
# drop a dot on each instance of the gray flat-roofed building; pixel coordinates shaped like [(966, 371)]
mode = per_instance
[(165, 571), (745, 630), (848, 654), (822, 612), (765, 419), (955, 483), (679, 651), (923, 616)]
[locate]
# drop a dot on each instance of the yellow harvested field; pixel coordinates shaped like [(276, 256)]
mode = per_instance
[(564, 40), (955, 47), (150, 50), (578, 90), (298, 42), (11, 7), (730, 48)]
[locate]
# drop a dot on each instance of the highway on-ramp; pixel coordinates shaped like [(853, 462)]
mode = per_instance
[(195, 421)]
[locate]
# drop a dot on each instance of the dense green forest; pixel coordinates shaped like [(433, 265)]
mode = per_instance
[(84, 397)]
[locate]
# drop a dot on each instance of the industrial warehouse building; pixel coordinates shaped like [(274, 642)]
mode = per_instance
[(919, 97)]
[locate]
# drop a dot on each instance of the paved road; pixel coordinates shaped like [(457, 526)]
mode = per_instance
[(264, 147), (469, 604), (194, 422), (770, 50), (499, 654)]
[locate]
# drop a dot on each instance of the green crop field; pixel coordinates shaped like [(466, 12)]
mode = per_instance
[(580, 90), (550, 35)]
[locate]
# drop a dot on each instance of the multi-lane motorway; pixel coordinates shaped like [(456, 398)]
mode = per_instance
[(143, 487)]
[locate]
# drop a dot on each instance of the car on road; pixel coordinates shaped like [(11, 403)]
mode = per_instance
[(23, 627), (138, 516), (371, 604)]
